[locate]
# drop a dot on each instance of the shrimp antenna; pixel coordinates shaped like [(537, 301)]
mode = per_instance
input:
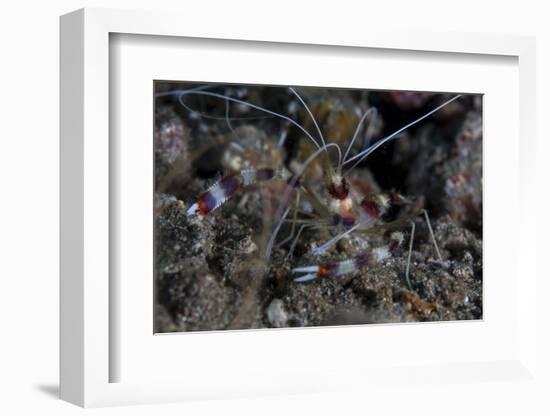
[(321, 249), (196, 91), (236, 145), (362, 155), (211, 117), (311, 158), (370, 128), (273, 236), (310, 114), (174, 92), (358, 128)]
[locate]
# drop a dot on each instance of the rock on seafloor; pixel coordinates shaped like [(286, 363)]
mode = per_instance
[(447, 169), (276, 313), (171, 138)]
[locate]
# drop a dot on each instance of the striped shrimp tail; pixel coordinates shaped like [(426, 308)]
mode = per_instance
[(342, 268), (215, 196), (219, 193), (311, 273)]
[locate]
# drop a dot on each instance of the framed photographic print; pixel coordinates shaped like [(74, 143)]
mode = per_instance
[(279, 195), (277, 213)]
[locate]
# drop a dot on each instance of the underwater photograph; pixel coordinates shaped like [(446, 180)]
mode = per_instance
[(300, 206)]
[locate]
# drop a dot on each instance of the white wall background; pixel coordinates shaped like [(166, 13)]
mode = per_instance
[(29, 194)]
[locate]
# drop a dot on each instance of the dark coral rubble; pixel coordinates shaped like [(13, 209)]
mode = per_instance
[(212, 273)]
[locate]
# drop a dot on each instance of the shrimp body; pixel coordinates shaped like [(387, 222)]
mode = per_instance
[(337, 207)]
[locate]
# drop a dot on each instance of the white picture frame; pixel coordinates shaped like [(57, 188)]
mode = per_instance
[(86, 291)]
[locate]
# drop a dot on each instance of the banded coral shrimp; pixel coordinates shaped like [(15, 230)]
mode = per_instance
[(328, 203)]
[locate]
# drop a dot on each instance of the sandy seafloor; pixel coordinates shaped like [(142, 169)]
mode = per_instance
[(213, 274)]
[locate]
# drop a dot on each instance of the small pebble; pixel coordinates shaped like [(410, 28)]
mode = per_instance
[(276, 314)]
